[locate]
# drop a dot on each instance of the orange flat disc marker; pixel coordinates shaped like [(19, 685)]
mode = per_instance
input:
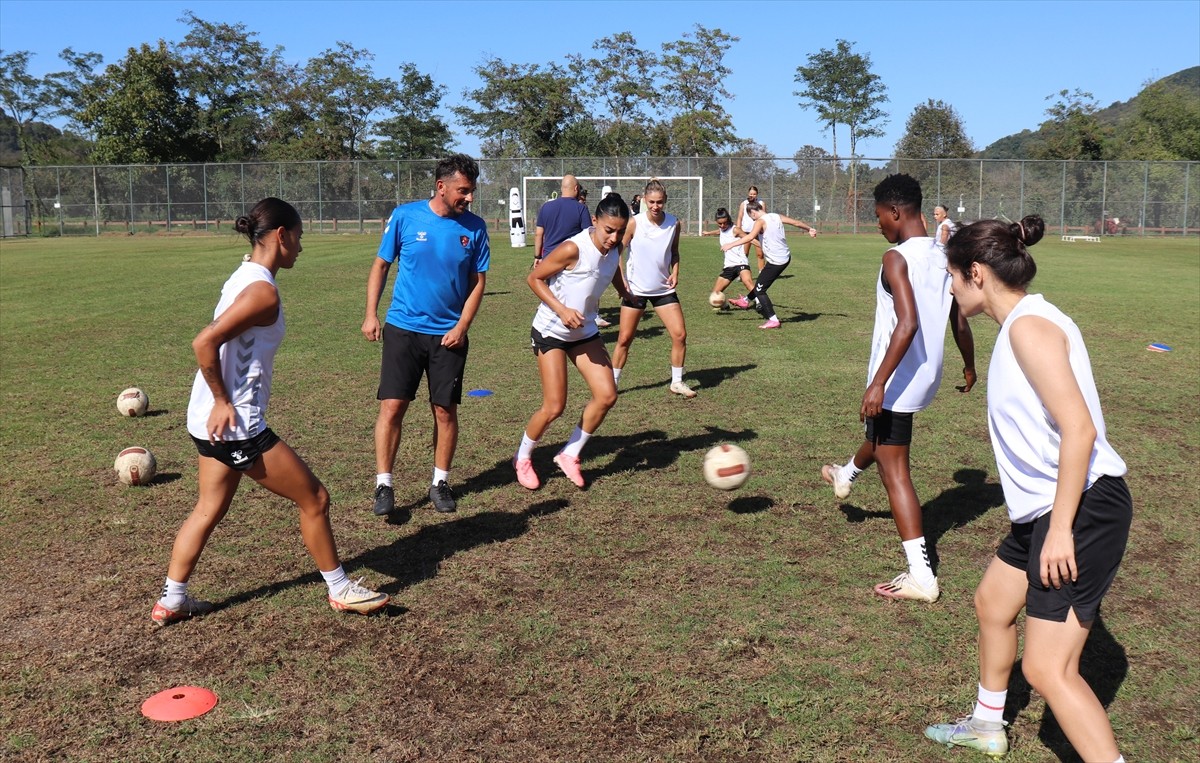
[(179, 704)]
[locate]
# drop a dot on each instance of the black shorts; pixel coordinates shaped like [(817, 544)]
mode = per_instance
[(638, 302), (407, 356), (238, 454), (733, 272), (542, 344), (890, 428), (1101, 532)]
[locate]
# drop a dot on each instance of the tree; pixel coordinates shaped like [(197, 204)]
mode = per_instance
[(139, 114), (1166, 126), (934, 131), (522, 109), (693, 86), (840, 86), (339, 94), (1073, 131), (416, 131), (23, 97), (70, 87), (622, 108)]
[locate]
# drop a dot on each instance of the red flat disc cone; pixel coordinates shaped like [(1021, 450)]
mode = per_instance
[(179, 704)]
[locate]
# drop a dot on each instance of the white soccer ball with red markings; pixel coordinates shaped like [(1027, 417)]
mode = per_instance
[(133, 402), (135, 466), (717, 299), (726, 467)]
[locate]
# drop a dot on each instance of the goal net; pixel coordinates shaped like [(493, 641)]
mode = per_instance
[(685, 194)]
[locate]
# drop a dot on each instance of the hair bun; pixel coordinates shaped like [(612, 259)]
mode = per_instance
[(243, 224), (1030, 230)]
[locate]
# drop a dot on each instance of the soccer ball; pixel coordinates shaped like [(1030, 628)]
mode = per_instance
[(133, 402), (726, 467), (717, 299), (135, 466)]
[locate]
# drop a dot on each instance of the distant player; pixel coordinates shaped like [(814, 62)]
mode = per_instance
[(945, 227), (744, 223), (768, 229), (736, 265), (912, 305)]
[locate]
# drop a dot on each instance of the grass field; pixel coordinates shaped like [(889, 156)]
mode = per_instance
[(647, 618)]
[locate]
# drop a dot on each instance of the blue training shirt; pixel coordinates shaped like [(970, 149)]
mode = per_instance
[(437, 256)]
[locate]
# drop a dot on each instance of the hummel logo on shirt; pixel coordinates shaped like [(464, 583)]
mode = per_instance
[(422, 236)]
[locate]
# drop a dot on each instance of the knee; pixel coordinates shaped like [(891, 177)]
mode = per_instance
[(391, 411), (552, 410), (606, 400), (1039, 675), (445, 415), (317, 505)]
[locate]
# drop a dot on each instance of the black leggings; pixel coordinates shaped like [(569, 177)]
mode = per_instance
[(766, 277)]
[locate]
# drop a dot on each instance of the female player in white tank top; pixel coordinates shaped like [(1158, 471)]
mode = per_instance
[(569, 282), (768, 230), (651, 274), (1063, 483), (744, 223), (227, 420)]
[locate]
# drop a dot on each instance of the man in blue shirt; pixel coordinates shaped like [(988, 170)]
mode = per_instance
[(559, 219), (443, 254)]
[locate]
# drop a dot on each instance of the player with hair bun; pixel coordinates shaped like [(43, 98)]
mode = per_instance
[(1064, 485), (736, 264)]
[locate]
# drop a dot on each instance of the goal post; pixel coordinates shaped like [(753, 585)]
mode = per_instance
[(627, 186)]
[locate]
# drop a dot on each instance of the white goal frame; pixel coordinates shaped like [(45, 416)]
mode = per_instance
[(644, 178)]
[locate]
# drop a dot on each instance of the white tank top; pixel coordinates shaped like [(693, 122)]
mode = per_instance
[(915, 381), (774, 240), (246, 365), (737, 255), (1024, 437), (579, 289), (649, 258)]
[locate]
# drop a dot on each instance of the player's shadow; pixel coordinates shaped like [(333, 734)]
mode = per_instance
[(496, 293), (1103, 665), (707, 378)]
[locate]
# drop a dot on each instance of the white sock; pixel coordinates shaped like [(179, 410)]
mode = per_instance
[(849, 472), (989, 706), (617, 375), (526, 449), (575, 444), (440, 475), (918, 561), (774, 317), (676, 374), (173, 594), (336, 579), (383, 479), (1120, 759)]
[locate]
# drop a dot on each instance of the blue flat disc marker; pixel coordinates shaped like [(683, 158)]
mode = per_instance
[(479, 393), (1158, 347)]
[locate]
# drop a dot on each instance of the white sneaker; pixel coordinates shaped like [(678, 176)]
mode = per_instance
[(832, 473), (903, 586), (679, 388), (353, 597)]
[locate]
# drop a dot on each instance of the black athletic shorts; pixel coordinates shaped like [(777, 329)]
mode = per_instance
[(1101, 532), (638, 302), (541, 343), (733, 272), (238, 454), (890, 428), (407, 356)]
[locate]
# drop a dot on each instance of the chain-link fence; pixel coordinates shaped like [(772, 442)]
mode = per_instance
[(1137, 198)]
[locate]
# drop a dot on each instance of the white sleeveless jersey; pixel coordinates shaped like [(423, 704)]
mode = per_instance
[(579, 289), (774, 240), (913, 384), (649, 258), (246, 364), (946, 225), (737, 255), (1024, 437)]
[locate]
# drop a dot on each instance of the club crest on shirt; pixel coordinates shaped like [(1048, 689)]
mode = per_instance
[(464, 241)]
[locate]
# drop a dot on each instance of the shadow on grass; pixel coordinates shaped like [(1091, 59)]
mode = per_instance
[(1103, 665), (707, 378), (165, 478), (750, 504)]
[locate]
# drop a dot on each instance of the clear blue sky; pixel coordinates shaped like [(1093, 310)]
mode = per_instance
[(994, 61)]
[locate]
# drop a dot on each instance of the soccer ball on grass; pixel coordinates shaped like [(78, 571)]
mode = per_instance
[(133, 402), (135, 466), (726, 467)]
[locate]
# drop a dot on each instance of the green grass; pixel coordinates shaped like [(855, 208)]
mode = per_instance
[(648, 618)]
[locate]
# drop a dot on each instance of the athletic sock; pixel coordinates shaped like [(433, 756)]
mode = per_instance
[(918, 562), (989, 707), (1120, 759), (575, 444), (773, 317), (617, 376), (440, 475), (527, 446), (383, 479), (173, 594), (849, 472), (335, 579), (676, 374)]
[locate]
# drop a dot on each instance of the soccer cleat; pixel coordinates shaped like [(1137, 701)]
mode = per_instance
[(353, 597), (190, 608), (773, 323), (570, 467), (525, 473), (679, 388), (904, 587), (601, 323), (385, 500), (442, 497), (832, 473), (741, 303), (963, 733)]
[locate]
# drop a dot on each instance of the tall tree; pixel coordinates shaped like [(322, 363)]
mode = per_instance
[(23, 97), (70, 86), (341, 95), (693, 88), (840, 86), (1166, 125), (521, 109), (139, 114), (622, 109), (934, 131), (415, 131), (1072, 131)]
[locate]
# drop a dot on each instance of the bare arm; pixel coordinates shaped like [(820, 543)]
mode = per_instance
[(457, 336), (674, 277), (965, 340), (1041, 349), (895, 270), (799, 224), (538, 239), (755, 231), (376, 280), (564, 257)]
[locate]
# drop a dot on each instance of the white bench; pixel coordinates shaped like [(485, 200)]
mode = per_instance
[(1073, 239)]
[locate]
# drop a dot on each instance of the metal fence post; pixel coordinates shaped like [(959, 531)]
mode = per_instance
[(1187, 186), (1062, 208), (167, 172), (1145, 195), (96, 197), (204, 178)]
